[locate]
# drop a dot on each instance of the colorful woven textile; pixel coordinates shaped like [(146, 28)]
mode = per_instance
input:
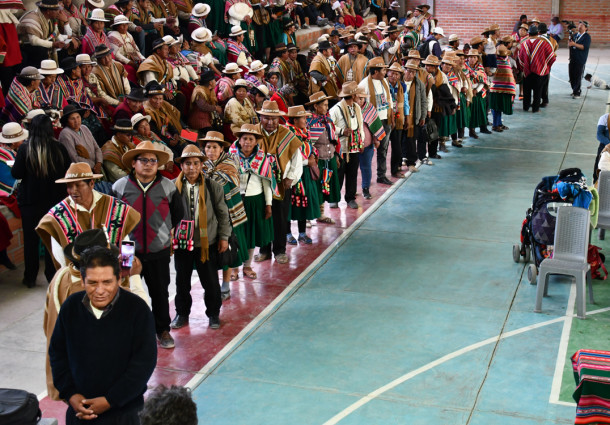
[(592, 375)]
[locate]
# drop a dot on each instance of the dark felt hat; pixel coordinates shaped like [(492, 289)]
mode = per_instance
[(88, 239), (137, 95), (68, 63)]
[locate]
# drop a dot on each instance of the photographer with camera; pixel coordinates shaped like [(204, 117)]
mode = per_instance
[(578, 44)]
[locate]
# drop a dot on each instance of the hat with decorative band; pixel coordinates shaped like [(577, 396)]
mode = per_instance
[(84, 59), (270, 109), (249, 129), (135, 120), (318, 97), (123, 125), (79, 171), (201, 35), (256, 66), (49, 67), (191, 151), (97, 15), (348, 89), (297, 112), (201, 9), (142, 148), (236, 30), (30, 73), (231, 68), (153, 88), (101, 51), (214, 136), (12, 132), (431, 60), (120, 20)]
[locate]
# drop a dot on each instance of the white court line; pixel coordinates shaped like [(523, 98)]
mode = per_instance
[(563, 349), (567, 82), (286, 293)]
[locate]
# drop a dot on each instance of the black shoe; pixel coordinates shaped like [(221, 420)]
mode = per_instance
[(6, 262), (485, 131), (473, 134), (179, 322), (214, 322), (384, 180), (456, 144), (437, 156), (29, 283), (544, 104), (165, 340), (366, 193)]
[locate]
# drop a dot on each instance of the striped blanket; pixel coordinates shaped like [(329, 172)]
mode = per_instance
[(503, 81), (371, 118), (224, 172), (592, 375), (19, 101), (261, 164), (318, 123)]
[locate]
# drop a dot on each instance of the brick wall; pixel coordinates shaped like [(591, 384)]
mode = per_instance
[(468, 18)]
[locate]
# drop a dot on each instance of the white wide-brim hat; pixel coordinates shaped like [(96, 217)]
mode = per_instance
[(12, 132), (239, 11), (236, 30), (201, 35), (256, 66), (120, 19), (49, 67), (201, 9)]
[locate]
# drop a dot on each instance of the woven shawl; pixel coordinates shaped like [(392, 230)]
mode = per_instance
[(371, 118), (53, 96), (261, 164), (318, 124), (19, 101), (164, 116), (503, 81), (94, 40), (114, 154), (224, 171), (159, 66), (111, 79)]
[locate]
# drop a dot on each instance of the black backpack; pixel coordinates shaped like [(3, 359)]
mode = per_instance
[(424, 49), (18, 407)]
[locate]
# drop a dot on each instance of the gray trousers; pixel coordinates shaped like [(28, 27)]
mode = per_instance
[(382, 151)]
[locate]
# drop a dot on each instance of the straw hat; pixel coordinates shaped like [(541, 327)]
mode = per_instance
[(236, 30), (120, 20), (412, 65), (348, 89), (49, 67), (78, 171), (431, 60), (214, 136), (297, 112), (84, 59), (397, 68), (534, 21), (410, 23), (524, 26), (503, 51), (201, 9), (256, 66), (454, 37), (507, 39), (360, 92), (249, 129), (139, 117), (318, 97), (201, 35), (231, 68), (477, 39), (13, 133), (414, 54), (494, 27), (145, 147), (191, 151), (438, 30), (270, 109), (377, 62), (448, 61), (97, 15)]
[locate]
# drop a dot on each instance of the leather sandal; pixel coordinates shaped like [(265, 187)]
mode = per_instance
[(249, 273)]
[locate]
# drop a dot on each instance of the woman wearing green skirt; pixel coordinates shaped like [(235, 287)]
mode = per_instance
[(222, 168), (478, 108), (257, 186), (322, 135), (502, 90), (305, 203)]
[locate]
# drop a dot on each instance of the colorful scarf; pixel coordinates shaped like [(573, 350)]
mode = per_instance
[(19, 101), (371, 118), (52, 97), (94, 40), (260, 163), (318, 123), (224, 171), (503, 81), (75, 90)]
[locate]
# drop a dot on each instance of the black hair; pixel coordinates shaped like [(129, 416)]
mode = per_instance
[(169, 406), (587, 76), (44, 156), (372, 70), (24, 81), (97, 256), (523, 17)]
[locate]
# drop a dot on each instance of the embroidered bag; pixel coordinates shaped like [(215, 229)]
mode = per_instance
[(596, 260)]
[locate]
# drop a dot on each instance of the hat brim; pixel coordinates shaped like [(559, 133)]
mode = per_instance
[(257, 70), (272, 114), (50, 71), (93, 177), (227, 71), (144, 117), (120, 23), (68, 251), (132, 154), (182, 158), (222, 143), (21, 138), (306, 115), (425, 62), (322, 99), (64, 117), (237, 33), (97, 19), (46, 6), (241, 133)]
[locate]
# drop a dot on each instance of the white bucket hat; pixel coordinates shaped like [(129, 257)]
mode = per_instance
[(13, 133), (201, 35), (120, 19), (49, 67), (98, 15), (201, 9), (257, 66), (236, 30), (85, 59)]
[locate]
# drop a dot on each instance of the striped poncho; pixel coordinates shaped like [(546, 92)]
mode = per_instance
[(503, 81), (478, 76), (224, 171), (19, 101)]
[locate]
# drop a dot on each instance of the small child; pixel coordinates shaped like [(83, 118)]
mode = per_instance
[(597, 82), (340, 24)]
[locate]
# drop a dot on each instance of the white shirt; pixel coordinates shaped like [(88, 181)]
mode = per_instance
[(379, 87), (294, 167)]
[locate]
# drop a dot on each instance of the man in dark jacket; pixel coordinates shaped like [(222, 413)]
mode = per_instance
[(161, 208), (103, 349)]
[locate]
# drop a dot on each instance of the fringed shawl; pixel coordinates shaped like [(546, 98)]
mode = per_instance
[(225, 172)]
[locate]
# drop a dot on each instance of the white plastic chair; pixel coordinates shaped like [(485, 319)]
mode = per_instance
[(569, 256), (603, 217)]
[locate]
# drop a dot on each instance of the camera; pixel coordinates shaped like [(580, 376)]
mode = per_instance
[(571, 26)]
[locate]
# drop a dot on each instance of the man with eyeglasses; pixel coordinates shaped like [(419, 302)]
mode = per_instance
[(162, 208)]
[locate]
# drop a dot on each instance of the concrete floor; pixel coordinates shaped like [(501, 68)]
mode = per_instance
[(427, 274)]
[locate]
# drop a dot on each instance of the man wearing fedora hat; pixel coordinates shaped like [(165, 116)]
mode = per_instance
[(113, 85), (376, 85), (157, 68), (35, 30), (414, 147), (279, 141), (19, 99), (400, 105), (351, 65), (84, 208), (201, 236), (102, 351), (347, 117), (131, 105), (578, 44), (114, 149), (162, 208), (321, 71), (68, 281), (390, 45)]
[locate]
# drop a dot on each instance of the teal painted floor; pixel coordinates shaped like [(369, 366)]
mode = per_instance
[(428, 274)]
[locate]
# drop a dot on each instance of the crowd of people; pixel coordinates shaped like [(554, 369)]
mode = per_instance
[(152, 128)]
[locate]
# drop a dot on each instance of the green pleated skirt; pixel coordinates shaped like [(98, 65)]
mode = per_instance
[(478, 111), (502, 102), (277, 32), (448, 126), (335, 185), (462, 116), (312, 210), (242, 252), (257, 230), (216, 18)]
